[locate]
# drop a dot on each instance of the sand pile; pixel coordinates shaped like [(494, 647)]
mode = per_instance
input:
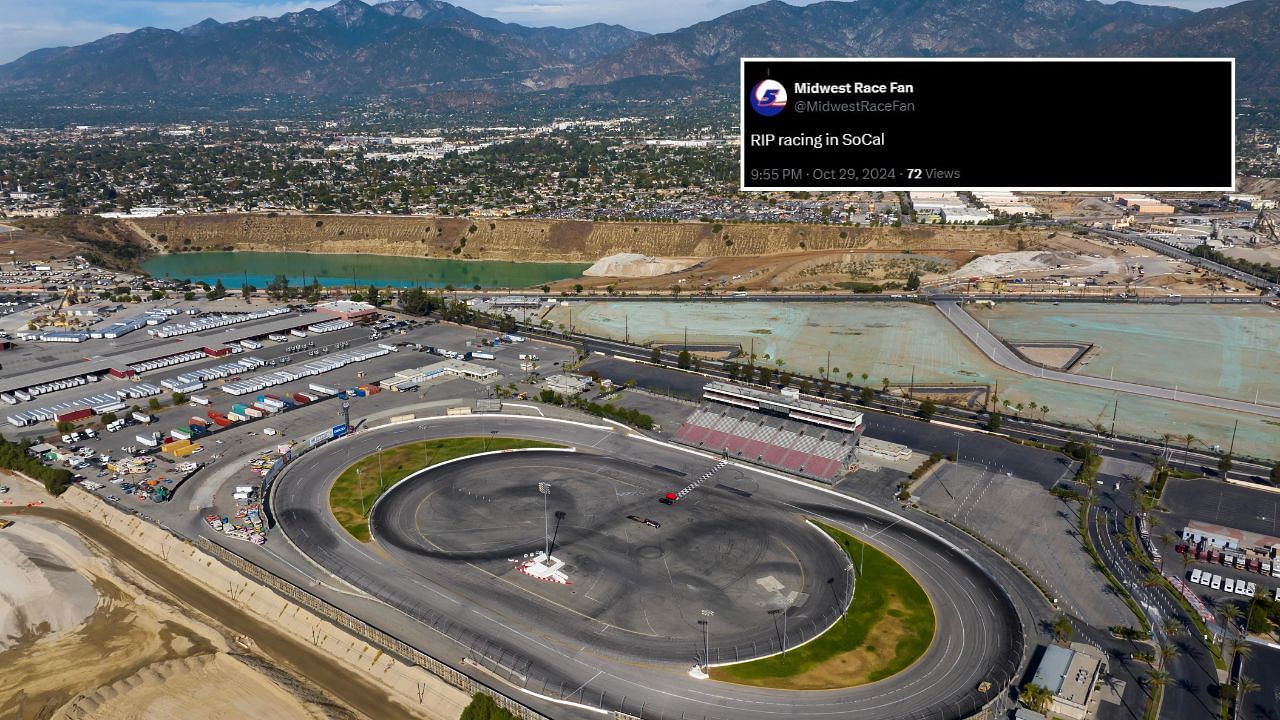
[(635, 265), (1022, 261), (40, 593)]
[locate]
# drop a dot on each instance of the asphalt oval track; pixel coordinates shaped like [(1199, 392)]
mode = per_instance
[(559, 654)]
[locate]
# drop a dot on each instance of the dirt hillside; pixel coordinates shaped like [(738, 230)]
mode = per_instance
[(550, 240)]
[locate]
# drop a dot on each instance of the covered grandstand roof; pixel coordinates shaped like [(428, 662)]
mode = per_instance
[(788, 404)]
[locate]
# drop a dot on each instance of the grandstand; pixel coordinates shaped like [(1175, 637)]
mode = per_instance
[(775, 429)]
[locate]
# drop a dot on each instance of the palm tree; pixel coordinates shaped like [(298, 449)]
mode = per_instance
[(1166, 652), (1245, 686), (1173, 627), (1240, 647), (1036, 697), (1188, 439), (885, 383), (1164, 440), (1157, 679), (1061, 628), (1230, 615), (864, 378)]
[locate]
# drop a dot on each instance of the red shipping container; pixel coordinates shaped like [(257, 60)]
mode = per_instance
[(74, 415)]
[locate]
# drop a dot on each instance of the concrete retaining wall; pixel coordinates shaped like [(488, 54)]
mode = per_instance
[(413, 686)]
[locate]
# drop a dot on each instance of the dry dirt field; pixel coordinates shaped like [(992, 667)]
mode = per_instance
[(89, 637)]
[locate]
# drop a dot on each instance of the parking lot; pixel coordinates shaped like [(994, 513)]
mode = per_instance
[(234, 457), (1025, 522)]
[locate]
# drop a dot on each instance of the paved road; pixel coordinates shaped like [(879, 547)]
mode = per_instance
[(980, 633), (999, 353), (1194, 677)]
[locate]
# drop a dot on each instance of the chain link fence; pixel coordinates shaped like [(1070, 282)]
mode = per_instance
[(365, 631)]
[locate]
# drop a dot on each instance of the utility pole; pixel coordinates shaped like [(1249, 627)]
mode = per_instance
[(380, 488), (545, 489), (1231, 448)]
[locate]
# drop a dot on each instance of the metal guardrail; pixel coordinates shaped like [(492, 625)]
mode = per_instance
[(369, 633)]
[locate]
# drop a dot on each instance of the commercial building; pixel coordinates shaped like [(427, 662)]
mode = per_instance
[(1144, 205), (966, 215), (347, 309), (1222, 537), (568, 385), (1072, 675)]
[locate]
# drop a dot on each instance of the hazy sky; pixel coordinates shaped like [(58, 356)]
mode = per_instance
[(31, 24)]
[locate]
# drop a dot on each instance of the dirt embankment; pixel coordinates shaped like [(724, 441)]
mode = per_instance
[(552, 240), (106, 243)]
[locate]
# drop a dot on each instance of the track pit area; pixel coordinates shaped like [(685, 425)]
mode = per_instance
[(633, 588)]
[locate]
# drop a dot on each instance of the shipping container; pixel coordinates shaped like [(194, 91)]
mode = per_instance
[(74, 415), (236, 417), (302, 398), (254, 412), (186, 450), (322, 389)]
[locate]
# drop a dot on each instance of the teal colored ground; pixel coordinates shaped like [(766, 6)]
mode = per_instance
[(1222, 350), (895, 340)]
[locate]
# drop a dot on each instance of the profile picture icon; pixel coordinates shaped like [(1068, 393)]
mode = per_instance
[(768, 97)]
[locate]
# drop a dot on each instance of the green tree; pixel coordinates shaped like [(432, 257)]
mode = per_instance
[(884, 384), (218, 291), (179, 398), (655, 355), (1061, 628), (766, 375), (1224, 463), (483, 707), (927, 409), (153, 403), (278, 288), (247, 291), (1275, 474), (866, 396), (993, 422), (913, 281), (683, 360), (373, 296), (1036, 697)]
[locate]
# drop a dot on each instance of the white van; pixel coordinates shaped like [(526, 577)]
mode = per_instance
[(1195, 576), (1228, 585), (1216, 582)]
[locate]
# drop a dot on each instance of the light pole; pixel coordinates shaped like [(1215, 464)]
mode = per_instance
[(782, 610), (545, 489), (706, 639), (957, 447), (380, 488)]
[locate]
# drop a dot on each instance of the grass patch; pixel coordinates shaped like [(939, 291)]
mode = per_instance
[(360, 481), (887, 627)]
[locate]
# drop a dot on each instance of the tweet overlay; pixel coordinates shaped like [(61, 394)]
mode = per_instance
[(978, 124)]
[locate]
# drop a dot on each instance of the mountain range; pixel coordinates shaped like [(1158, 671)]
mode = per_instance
[(429, 47)]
